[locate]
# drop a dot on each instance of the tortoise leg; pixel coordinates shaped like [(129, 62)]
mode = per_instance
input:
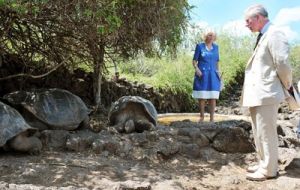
[(6, 147), (23, 143), (118, 127), (142, 125), (112, 130), (129, 126), (85, 124)]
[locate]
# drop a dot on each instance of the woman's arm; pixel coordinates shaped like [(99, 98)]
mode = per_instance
[(195, 64), (197, 70)]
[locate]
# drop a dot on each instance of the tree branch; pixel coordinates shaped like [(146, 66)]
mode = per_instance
[(34, 76)]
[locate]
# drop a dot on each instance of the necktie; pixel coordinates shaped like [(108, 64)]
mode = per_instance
[(258, 38)]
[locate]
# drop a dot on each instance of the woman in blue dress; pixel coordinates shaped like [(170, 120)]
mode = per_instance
[(207, 81)]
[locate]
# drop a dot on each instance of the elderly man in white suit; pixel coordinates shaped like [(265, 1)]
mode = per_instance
[(267, 77)]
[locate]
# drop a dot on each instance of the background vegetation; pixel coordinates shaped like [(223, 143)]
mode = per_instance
[(177, 74), (295, 62), (141, 37), (46, 34)]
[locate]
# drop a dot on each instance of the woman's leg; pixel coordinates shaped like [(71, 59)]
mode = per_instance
[(212, 107), (201, 106)]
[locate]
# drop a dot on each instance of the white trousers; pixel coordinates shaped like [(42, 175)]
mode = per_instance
[(265, 137)]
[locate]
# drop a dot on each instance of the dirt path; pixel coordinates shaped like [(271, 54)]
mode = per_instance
[(67, 170), (52, 170)]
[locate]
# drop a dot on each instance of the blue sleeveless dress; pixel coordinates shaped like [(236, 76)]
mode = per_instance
[(208, 85)]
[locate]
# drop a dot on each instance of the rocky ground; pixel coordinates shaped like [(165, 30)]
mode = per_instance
[(67, 170), (183, 155)]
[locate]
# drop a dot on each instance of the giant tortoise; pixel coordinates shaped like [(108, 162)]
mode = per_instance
[(132, 113), (50, 108), (15, 133)]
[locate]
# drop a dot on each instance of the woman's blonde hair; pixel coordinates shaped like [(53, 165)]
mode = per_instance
[(207, 33)]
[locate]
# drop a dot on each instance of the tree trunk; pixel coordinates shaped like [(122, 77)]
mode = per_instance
[(97, 80)]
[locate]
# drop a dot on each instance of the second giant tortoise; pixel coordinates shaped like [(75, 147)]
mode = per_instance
[(50, 108), (132, 113), (15, 133)]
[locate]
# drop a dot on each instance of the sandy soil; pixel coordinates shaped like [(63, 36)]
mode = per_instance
[(53, 170), (67, 170)]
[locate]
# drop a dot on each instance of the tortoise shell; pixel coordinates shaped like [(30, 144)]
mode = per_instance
[(57, 108), (117, 108), (11, 123)]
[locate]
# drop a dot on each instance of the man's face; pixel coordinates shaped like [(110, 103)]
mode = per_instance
[(253, 23)]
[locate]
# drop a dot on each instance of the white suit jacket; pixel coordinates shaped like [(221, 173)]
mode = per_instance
[(268, 73)]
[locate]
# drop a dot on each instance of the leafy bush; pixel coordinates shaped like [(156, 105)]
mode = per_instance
[(175, 74), (234, 54), (295, 62)]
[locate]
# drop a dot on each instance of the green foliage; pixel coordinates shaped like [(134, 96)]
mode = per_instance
[(171, 29), (141, 66), (164, 72), (86, 31), (89, 32), (295, 62), (234, 54)]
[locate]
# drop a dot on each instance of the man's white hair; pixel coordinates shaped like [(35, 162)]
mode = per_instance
[(255, 10)]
